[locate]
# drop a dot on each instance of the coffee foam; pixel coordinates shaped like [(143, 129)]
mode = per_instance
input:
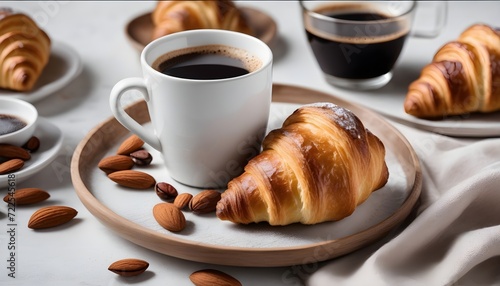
[(250, 62)]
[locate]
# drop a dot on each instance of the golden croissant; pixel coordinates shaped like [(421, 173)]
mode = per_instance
[(319, 166), (24, 51), (464, 77), (175, 16)]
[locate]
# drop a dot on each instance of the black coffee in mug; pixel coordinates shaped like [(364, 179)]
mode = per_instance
[(10, 123), (207, 63), (363, 49)]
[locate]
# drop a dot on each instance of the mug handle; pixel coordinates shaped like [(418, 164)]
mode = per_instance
[(128, 122), (439, 20)]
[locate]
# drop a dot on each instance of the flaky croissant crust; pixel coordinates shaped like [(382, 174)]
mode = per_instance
[(318, 167), (175, 16), (463, 77), (24, 52)]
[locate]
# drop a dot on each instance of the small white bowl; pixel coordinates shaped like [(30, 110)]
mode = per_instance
[(24, 111)]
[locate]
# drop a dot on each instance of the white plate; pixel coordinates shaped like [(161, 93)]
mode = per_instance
[(50, 143), (389, 101), (64, 65)]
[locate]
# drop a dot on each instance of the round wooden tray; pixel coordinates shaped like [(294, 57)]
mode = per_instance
[(132, 221)]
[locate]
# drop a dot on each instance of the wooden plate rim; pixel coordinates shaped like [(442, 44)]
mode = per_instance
[(237, 256)]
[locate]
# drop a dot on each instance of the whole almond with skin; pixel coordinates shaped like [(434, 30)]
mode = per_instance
[(182, 200), (169, 217), (51, 216), (129, 145), (115, 163), (32, 145), (129, 267), (28, 196), (14, 152), (10, 166), (133, 179), (204, 202), (211, 277)]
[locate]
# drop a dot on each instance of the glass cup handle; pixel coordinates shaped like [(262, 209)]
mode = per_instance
[(128, 122), (439, 20)]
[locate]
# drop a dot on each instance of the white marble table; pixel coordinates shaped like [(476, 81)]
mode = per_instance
[(81, 253)]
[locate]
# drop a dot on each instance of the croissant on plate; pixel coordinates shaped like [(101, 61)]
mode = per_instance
[(24, 51), (464, 77), (175, 16), (319, 166)]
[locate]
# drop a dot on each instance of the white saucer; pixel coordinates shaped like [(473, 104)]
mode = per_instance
[(50, 143), (64, 65)]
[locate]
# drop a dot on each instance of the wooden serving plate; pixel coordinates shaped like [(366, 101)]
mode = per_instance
[(208, 239), (140, 29)]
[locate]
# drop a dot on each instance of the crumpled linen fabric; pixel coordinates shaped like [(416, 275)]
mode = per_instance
[(454, 238)]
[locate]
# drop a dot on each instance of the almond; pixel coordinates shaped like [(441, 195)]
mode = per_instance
[(131, 144), (133, 179), (209, 277), (32, 145), (114, 163), (129, 267), (182, 200), (204, 202), (11, 165), (51, 216), (27, 196), (14, 152), (169, 217)]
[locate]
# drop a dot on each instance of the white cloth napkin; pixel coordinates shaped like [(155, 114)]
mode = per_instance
[(455, 237)]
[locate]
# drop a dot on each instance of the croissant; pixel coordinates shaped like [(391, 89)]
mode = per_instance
[(175, 16), (319, 166), (464, 77), (24, 51)]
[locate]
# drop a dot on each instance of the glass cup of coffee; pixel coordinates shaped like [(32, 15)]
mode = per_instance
[(208, 93), (357, 43)]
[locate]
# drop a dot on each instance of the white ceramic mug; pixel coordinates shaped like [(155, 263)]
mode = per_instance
[(206, 130)]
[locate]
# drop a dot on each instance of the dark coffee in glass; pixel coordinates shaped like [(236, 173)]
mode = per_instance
[(356, 44)]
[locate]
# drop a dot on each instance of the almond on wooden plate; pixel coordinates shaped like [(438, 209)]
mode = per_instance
[(204, 202), (169, 217), (133, 179), (182, 200), (27, 196), (115, 163), (129, 145), (210, 277), (129, 267), (51, 216)]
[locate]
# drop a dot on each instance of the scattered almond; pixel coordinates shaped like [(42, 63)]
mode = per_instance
[(182, 200), (32, 145), (129, 145), (133, 179), (129, 267), (210, 277), (169, 217), (51, 216), (14, 152), (27, 196), (115, 163), (204, 202), (11, 165)]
